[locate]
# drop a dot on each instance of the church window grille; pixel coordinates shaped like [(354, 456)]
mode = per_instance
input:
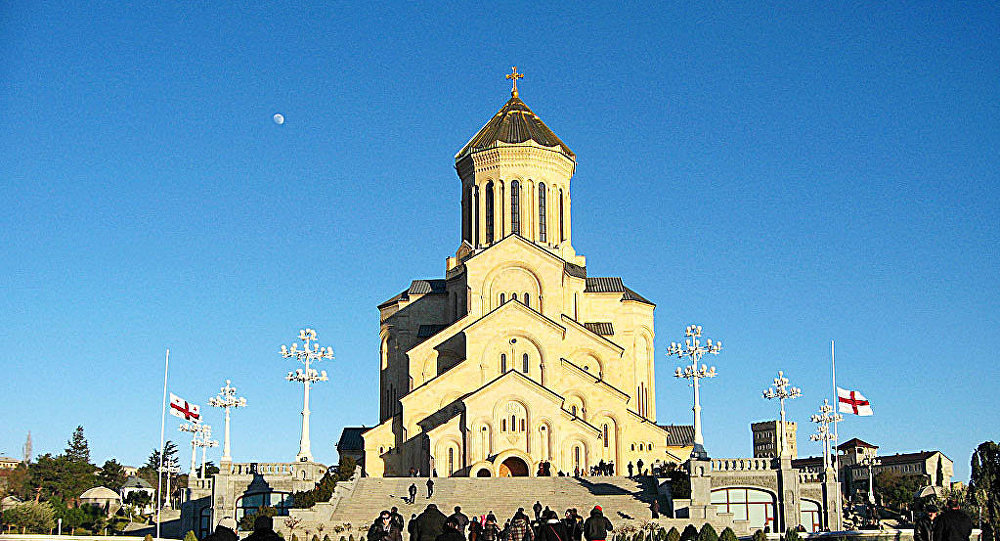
[(541, 212), (451, 460), (562, 218), (503, 362), (606, 435), (475, 214), (489, 212), (576, 457), (523, 425), (515, 207), (503, 425), (524, 362)]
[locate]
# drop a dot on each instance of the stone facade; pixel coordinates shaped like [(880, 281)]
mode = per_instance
[(765, 439), (516, 357)]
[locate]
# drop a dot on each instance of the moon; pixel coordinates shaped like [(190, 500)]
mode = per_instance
[(279, 119)]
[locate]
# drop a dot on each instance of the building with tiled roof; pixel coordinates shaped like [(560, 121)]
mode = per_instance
[(516, 357)]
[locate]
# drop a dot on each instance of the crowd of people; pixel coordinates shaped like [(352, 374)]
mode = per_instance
[(433, 525), (951, 525)]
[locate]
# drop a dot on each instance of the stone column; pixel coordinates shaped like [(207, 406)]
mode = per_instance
[(832, 517), (701, 489), (788, 494)]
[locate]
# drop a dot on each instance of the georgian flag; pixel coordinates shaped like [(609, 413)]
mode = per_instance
[(853, 402), (181, 408)]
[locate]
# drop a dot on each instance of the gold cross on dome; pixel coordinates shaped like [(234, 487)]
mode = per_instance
[(514, 76)]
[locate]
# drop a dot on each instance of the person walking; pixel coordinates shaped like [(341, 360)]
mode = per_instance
[(429, 525), (551, 528), (519, 529), (923, 529), (411, 527), (263, 529), (225, 531), (491, 530), (655, 508), (430, 488), (537, 508), (953, 524), (475, 529), (630, 468), (413, 493), (396, 518), (596, 527), (460, 519), (638, 465)]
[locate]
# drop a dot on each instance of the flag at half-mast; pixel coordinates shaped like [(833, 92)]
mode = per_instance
[(184, 409), (853, 402)]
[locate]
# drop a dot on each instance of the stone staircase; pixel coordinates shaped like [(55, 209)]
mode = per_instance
[(622, 499)]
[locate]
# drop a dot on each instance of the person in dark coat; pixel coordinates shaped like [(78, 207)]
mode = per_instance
[(429, 524), (638, 465), (923, 529), (551, 528), (460, 519), (413, 524), (225, 531), (630, 468), (475, 529), (396, 518), (537, 508), (520, 528), (263, 529), (491, 530), (596, 527), (430, 488), (953, 524), (413, 493), (655, 508), (384, 529), (450, 532)]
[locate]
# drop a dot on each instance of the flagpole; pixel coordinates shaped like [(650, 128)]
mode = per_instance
[(836, 433), (163, 424)]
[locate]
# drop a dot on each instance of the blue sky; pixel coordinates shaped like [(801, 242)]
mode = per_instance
[(782, 174)]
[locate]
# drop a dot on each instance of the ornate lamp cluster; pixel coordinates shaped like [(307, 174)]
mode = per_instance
[(693, 349), (781, 391), (823, 433), (870, 462), (311, 352), (226, 399)]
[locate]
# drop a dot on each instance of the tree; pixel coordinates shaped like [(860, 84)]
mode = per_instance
[(322, 492), (345, 470), (759, 535), (150, 470), (896, 490), (246, 523), (112, 475), (78, 449), (673, 534), (210, 469), (690, 533), (680, 482), (791, 534), (31, 517), (985, 483), (728, 535), (707, 533)]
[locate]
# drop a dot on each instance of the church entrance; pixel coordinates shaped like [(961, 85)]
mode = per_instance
[(513, 467)]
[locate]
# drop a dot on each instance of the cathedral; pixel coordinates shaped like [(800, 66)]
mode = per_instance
[(516, 362)]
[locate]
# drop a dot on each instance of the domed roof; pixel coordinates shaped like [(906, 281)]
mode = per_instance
[(514, 123), (100, 493)]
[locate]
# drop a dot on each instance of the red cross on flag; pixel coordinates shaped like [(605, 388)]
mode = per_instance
[(181, 408), (853, 402)]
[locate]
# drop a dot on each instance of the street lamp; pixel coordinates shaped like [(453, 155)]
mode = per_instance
[(693, 349), (169, 469), (205, 442), (194, 429), (781, 391), (226, 399), (870, 462), (823, 433), (311, 352)]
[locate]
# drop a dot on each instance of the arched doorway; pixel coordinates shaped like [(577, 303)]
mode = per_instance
[(483, 473), (513, 467)]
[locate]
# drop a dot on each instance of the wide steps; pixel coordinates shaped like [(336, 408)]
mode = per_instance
[(621, 498)]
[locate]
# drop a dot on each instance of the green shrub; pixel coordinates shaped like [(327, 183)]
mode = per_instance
[(792, 535), (728, 535), (690, 533), (673, 534), (759, 535), (707, 533), (149, 537), (190, 536)]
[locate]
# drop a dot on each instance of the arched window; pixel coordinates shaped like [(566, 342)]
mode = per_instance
[(513, 423), (515, 207), (605, 435), (524, 363), (489, 212), (467, 225), (502, 298), (503, 362), (633, 447), (451, 460), (526, 303), (573, 409), (503, 425), (541, 211), (475, 215), (513, 296), (523, 425), (576, 456), (562, 218), (640, 447)]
